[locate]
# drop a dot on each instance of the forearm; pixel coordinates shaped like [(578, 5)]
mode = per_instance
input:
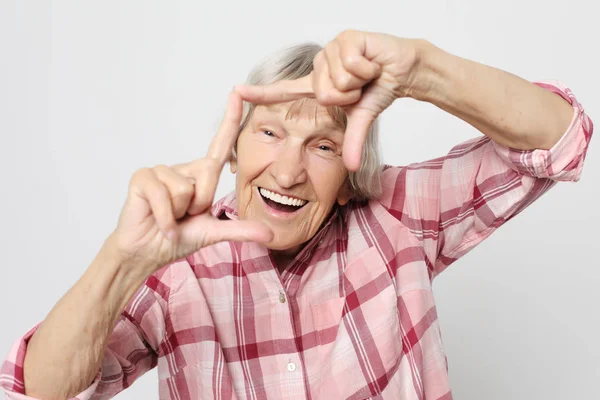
[(66, 352), (504, 107)]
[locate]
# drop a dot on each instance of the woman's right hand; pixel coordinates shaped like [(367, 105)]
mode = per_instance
[(167, 214)]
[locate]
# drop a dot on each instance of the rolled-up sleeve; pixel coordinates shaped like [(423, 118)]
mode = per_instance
[(454, 202), (11, 373), (131, 351), (564, 161)]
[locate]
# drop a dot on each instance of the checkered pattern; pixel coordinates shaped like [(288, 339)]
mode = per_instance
[(354, 315)]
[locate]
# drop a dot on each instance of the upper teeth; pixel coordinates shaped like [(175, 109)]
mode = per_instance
[(290, 201)]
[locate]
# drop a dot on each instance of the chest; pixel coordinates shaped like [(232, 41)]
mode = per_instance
[(307, 331)]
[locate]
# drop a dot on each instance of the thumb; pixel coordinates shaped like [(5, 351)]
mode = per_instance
[(208, 230), (359, 123), (242, 231)]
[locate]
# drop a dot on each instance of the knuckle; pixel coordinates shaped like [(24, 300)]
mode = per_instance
[(347, 34), (200, 205), (183, 169), (139, 176), (161, 167), (350, 61), (352, 97), (183, 190), (159, 193), (343, 80), (324, 97)]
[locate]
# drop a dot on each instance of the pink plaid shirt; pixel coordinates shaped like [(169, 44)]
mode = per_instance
[(354, 315)]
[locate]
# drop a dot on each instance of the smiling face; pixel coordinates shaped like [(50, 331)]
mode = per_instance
[(289, 171)]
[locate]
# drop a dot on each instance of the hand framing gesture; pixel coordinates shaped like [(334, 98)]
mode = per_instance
[(167, 212)]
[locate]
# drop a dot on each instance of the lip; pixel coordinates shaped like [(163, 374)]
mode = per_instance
[(276, 213)]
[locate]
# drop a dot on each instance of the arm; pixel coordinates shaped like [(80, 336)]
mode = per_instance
[(364, 73), (102, 328), (73, 336), (536, 134), (510, 110), (452, 203), (99, 338)]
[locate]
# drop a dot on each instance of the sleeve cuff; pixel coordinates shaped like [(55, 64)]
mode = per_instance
[(564, 161)]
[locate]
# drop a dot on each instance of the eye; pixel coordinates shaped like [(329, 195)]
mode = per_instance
[(325, 148), (268, 133)]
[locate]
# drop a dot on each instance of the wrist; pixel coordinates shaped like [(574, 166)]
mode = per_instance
[(115, 274), (428, 77)]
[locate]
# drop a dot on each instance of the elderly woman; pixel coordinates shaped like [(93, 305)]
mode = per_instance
[(314, 278)]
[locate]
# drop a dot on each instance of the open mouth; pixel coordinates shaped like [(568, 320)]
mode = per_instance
[(281, 203)]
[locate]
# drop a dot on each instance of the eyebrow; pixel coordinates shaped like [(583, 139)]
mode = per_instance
[(329, 125)]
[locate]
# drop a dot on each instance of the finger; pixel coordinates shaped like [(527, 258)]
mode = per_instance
[(223, 141), (206, 173), (147, 186), (181, 189), (342, 79), (352, 52), (278, 92), (211, 230), (325, 91), (359, 124)]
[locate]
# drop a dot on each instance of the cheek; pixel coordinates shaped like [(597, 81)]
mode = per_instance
[(253, 155), (250, 164), (327, 176)]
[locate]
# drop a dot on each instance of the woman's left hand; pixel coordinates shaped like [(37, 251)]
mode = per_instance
[(363, 72)]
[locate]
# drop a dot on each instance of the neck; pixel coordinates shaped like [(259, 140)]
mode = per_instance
[(283, 258)]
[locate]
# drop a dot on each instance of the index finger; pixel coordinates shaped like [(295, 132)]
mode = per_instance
[(224, 139), (278, 92)]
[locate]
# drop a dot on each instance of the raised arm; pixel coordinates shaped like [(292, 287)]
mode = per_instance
[(536, 134), (508, 109), (364, 72)]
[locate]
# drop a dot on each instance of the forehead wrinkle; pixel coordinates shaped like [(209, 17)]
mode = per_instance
[(337, 118)]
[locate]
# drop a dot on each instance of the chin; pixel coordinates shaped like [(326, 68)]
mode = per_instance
[(285, 246)]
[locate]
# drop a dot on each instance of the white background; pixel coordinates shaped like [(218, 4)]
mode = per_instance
[(91, 92)]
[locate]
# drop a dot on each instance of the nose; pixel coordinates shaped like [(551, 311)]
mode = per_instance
[(289, 168)]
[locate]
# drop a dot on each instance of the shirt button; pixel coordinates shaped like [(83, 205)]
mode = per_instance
[(281, 297), (291, 367)]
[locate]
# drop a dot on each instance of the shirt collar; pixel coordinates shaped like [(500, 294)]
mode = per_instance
[(226, 206)]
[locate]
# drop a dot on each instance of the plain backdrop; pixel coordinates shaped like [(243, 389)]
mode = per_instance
[(90, 92)]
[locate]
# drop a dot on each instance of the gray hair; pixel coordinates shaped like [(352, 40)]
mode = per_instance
[(296, 62)]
